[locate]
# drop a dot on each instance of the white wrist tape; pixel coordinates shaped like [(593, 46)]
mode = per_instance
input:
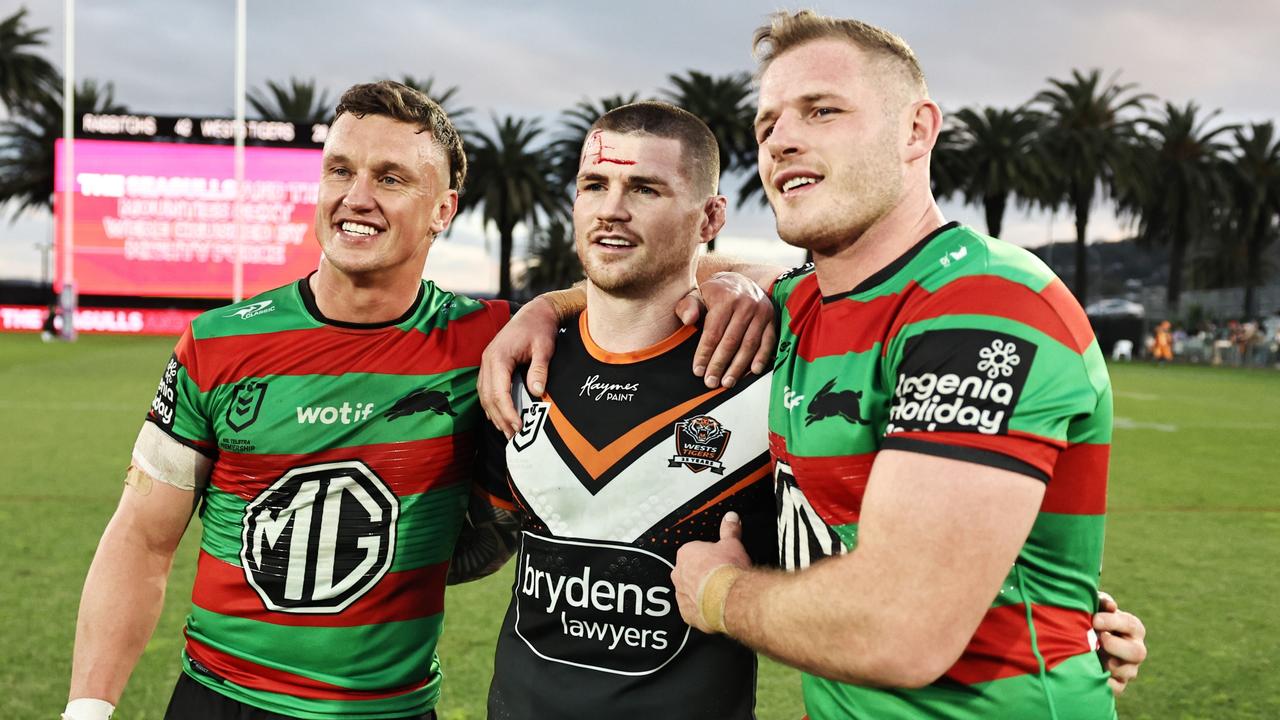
[(88, 709)]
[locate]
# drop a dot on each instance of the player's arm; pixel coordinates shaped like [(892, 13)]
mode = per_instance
[(488, 539), (124, 590), (740, 317), (936, 538), (740, 328), (1121, 642), (491, 525)]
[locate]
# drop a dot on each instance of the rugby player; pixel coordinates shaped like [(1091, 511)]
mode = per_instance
[(625, 455), (909, 309), (327, 432), (940, 422)]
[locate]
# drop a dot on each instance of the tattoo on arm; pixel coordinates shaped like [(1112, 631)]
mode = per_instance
[(488, 538)]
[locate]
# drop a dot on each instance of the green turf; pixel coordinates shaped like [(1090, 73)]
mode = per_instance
[(1193, 535)]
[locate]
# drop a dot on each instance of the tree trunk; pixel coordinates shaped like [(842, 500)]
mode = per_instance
[(994, 206), (1082, 259), (1253, 265), (506, 240), (1177, 255)]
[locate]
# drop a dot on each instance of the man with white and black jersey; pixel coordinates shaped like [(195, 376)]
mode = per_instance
[(626, 455)]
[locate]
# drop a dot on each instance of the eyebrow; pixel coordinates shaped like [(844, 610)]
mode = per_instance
[(629, 180), (808, 99), (387, 166)]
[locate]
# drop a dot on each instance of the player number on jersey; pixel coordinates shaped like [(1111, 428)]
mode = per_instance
[(803, 536), (319, 538)]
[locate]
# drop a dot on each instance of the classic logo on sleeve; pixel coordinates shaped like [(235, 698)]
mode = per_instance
[(596, 605), (165, 403), (960, 381), (700, 443)]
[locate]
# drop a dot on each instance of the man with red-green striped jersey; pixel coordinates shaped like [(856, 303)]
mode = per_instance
[(327, 432), (940, 421)]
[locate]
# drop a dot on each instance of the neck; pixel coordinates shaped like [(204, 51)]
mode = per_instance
[(893, 234), (363, 299), (627, 324)]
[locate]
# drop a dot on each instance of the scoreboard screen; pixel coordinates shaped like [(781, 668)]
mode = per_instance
[(156, 200)]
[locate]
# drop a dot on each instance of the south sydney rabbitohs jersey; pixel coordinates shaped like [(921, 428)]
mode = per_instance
[(343, 456), (965, 348), (625, 458)]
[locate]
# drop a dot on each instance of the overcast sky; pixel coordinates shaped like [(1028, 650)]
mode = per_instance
[(526, 58)]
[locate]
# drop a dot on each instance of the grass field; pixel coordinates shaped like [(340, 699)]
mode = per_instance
[(1193, 542)]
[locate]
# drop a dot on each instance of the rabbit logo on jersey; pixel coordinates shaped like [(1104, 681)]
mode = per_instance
[(596, 605), (960, 381)]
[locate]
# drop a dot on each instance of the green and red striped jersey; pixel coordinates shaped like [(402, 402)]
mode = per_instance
[(968, 348), (343, 460)]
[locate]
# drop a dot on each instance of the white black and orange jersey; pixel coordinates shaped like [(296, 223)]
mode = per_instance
[(623, 459)]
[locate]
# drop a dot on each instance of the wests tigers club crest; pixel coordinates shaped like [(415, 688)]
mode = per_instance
[(700, 443)]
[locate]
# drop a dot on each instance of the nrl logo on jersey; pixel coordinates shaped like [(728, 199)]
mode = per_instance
[(252, 310), (700, 443)]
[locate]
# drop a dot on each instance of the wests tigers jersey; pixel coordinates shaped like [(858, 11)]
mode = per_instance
[(625, 458)]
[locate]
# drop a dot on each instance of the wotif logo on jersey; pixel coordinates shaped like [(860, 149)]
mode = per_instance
[(600, 606), (960, 380), (344, 414)]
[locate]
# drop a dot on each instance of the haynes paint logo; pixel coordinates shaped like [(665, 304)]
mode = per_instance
[(960, 381)]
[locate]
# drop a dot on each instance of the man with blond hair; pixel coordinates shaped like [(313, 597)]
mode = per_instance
[(940, 422)]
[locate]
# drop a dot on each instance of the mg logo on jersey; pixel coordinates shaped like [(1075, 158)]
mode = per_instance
[(700, 443), (246, 401), (319, 538), (803, 536)]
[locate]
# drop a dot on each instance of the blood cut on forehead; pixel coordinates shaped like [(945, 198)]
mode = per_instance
[(596, 152)]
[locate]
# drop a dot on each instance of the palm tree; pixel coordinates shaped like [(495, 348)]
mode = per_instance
[(576, 122), (511, 181), (553, 259), (27, 144), (1087, 136), (1182, 183), (1255, 190), (299, 102), (948, 162), (25, 77), (726, 103), (997, 155), (443, 97)]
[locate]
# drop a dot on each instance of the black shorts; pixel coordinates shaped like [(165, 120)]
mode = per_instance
[(193, 701)]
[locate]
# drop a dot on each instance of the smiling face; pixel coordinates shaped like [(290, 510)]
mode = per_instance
[(384, 195), (637, 218), (830, 134)]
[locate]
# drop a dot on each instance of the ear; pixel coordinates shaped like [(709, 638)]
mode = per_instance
[(714, 211), (442, 214), (926, 123)]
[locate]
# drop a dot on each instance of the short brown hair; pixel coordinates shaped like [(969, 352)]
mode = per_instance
[(665, 120), (401, 102), (787, 30)]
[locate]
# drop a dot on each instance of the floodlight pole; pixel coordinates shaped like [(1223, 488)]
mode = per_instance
[(240, 129), (68, 288)]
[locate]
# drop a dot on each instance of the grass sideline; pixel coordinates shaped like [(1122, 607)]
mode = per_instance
[(1193, 538)]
